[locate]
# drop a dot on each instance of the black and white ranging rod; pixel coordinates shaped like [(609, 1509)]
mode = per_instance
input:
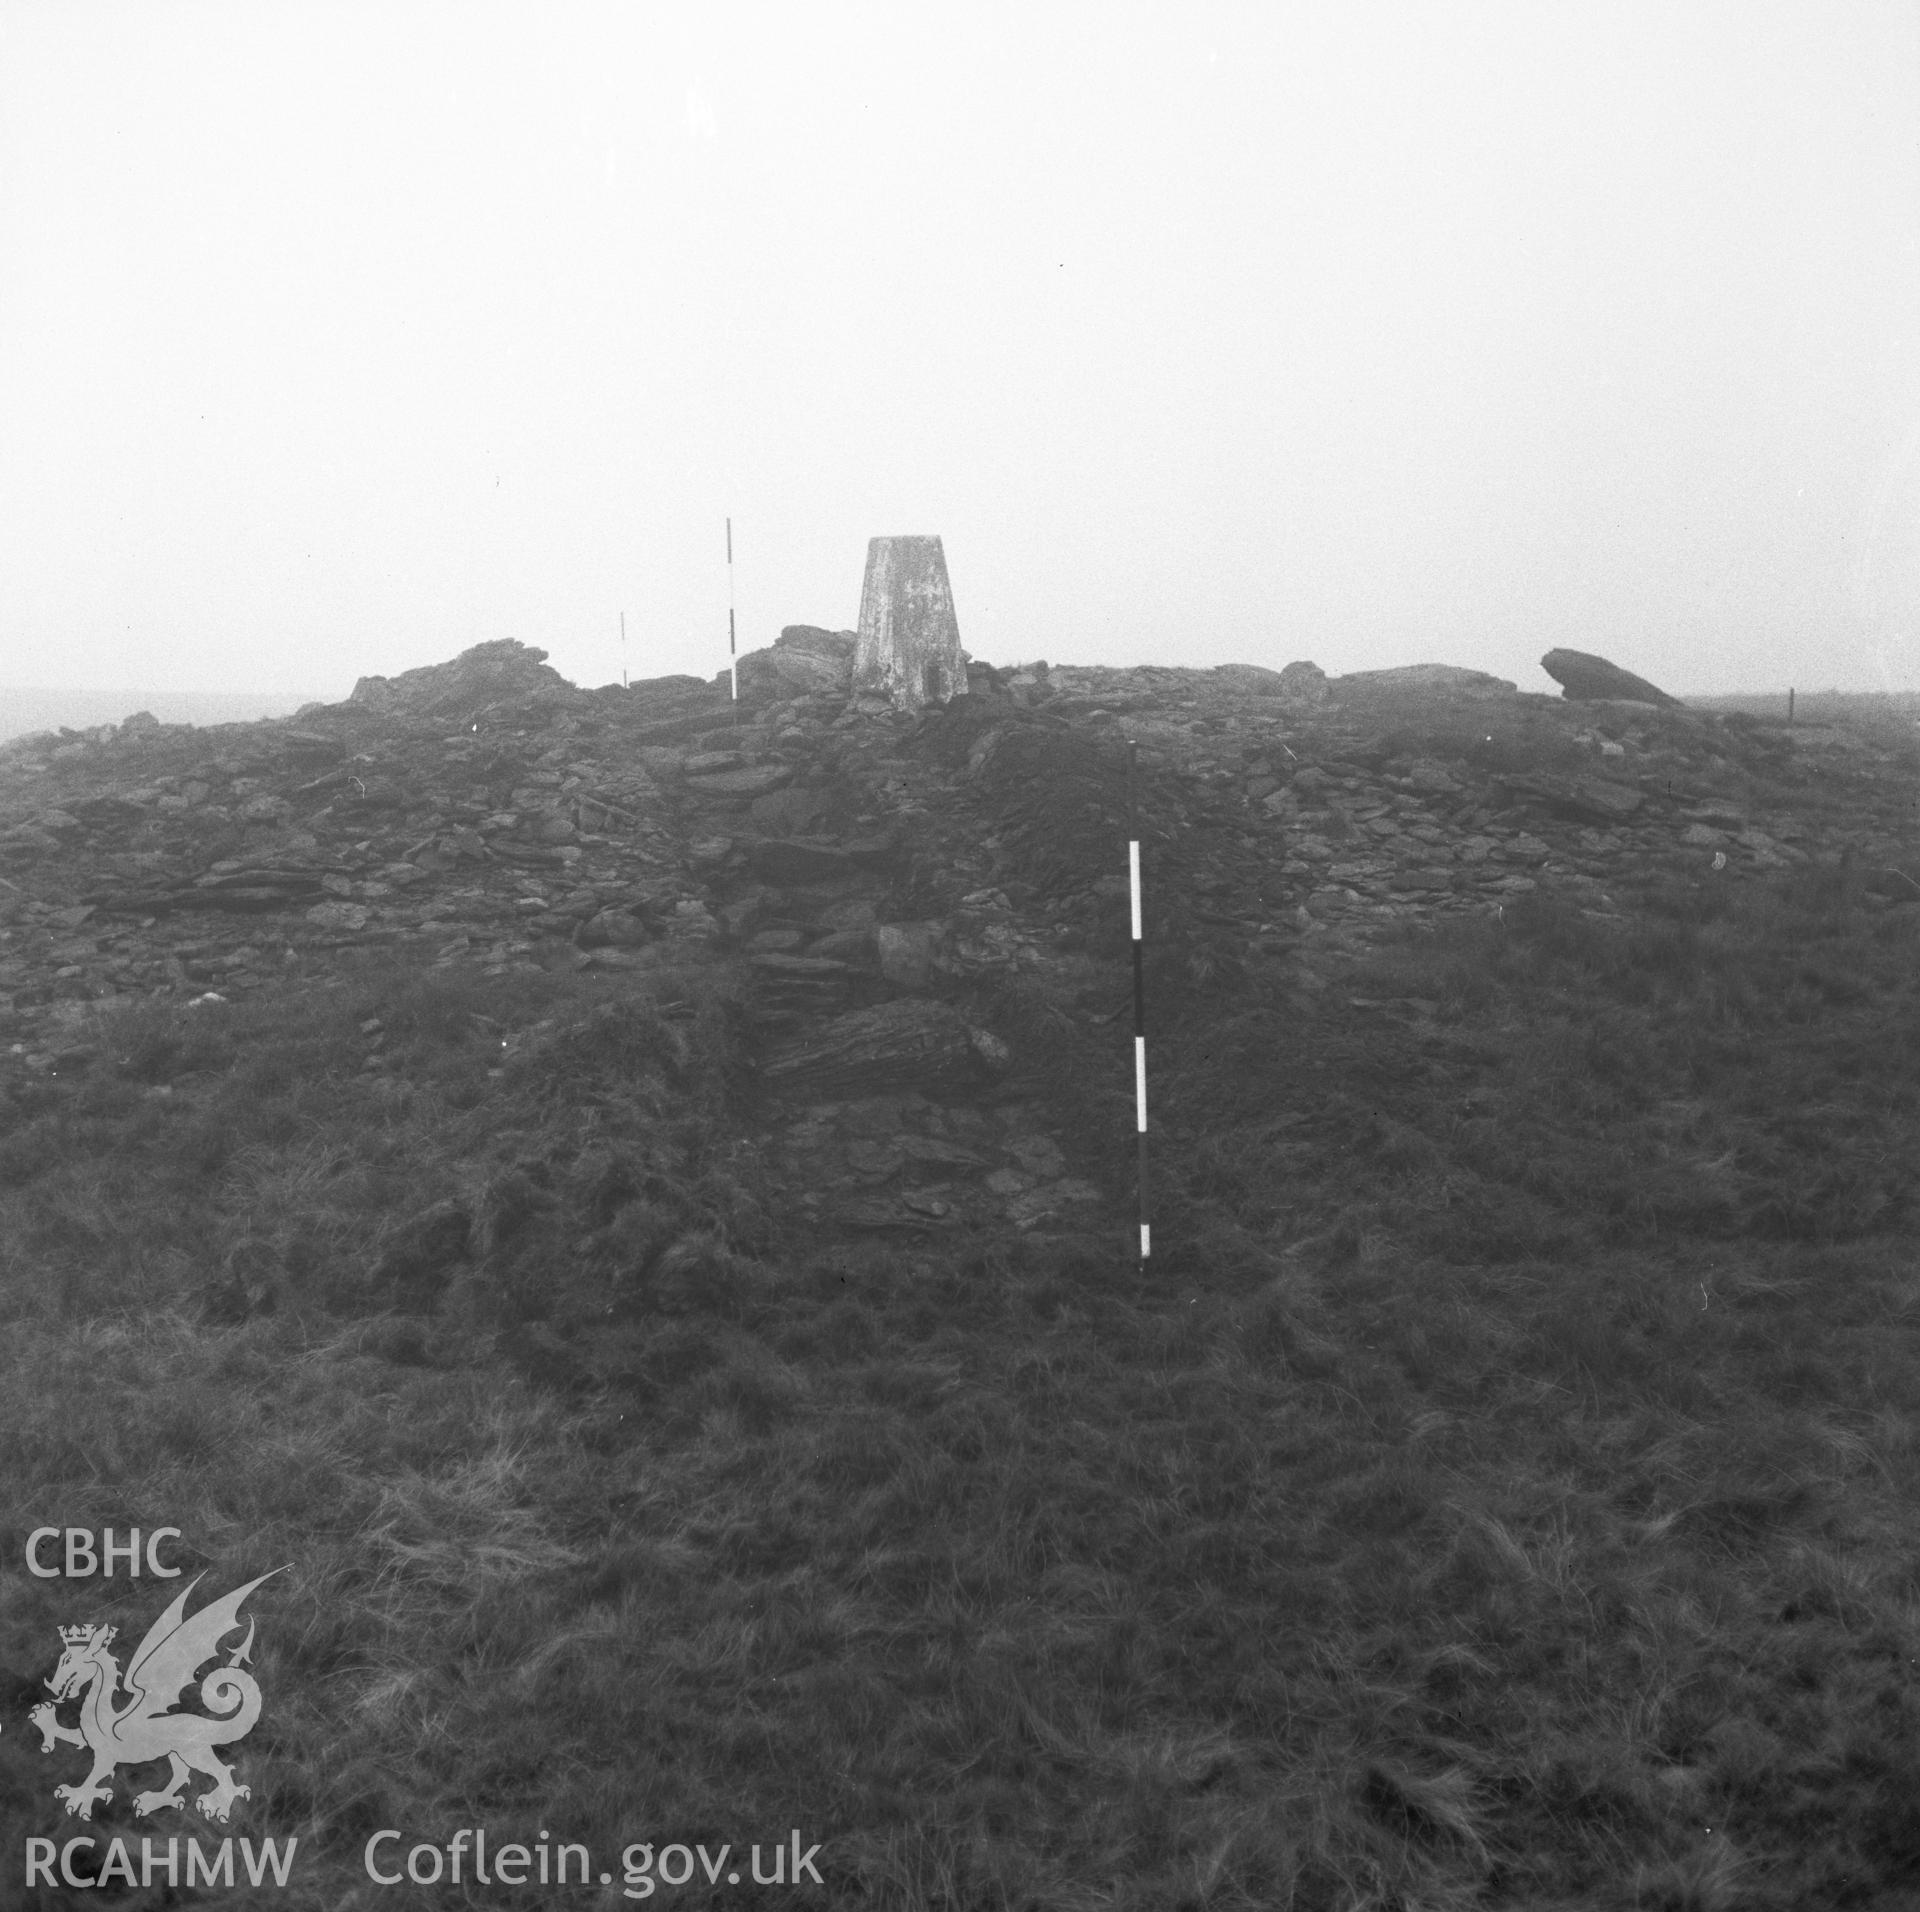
[(623, 650), (1139, 1001), (733, 662)]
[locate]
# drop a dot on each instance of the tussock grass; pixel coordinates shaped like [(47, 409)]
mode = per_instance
[(1498, 1490)]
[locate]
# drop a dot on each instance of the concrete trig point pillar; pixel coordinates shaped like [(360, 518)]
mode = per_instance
[(909, 645)]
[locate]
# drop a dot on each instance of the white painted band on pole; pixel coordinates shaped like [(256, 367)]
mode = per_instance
[(1139, 993)]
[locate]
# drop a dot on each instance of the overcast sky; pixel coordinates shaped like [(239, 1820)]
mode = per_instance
[(336, 338)]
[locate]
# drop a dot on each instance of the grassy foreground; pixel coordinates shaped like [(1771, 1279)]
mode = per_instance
[(1498, 1491)]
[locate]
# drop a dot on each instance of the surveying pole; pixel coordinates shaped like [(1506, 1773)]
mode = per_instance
[(733, 660), (1139, 1001)]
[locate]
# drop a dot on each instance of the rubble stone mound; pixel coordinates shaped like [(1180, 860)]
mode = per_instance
[(1441, 679), (1587, 678), (925, 912)]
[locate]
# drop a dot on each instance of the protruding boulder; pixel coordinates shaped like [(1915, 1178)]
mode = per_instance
[(803, 659), (908, 648), (1254, 678), (504, 671), (1586, 678), (615, 928), (1303, 680), (787, 812), (832, 649)]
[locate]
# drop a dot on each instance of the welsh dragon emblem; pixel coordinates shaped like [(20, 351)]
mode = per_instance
[(146, 1725)]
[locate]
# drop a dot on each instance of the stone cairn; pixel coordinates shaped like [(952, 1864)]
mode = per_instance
[(908, 648), (877, 870)]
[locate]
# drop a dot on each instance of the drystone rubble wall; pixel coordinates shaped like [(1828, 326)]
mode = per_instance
[(881, 876)]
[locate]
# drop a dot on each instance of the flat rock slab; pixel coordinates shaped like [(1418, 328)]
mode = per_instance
[(791, 993), (786, 861), (1605, 802), (777, 963), (753, 781), (1587, 799)]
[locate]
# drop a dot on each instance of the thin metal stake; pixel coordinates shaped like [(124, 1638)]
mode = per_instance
[(733, 662), (1139, 1000), (623, 650)]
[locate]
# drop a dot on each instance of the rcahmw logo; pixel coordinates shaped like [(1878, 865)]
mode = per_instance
[(202, 1866), (144, 1725), (83, 1560)]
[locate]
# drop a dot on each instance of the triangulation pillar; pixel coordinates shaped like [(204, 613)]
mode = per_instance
[(909, 643)]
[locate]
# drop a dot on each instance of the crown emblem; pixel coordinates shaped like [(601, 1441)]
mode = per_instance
[(143, 1726)]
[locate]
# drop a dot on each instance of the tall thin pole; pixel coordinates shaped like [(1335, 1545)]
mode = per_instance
[(1139, 1000), (623, 650), (733, 662)]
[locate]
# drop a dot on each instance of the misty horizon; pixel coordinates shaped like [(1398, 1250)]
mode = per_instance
[(27, 710), (334, 342)]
